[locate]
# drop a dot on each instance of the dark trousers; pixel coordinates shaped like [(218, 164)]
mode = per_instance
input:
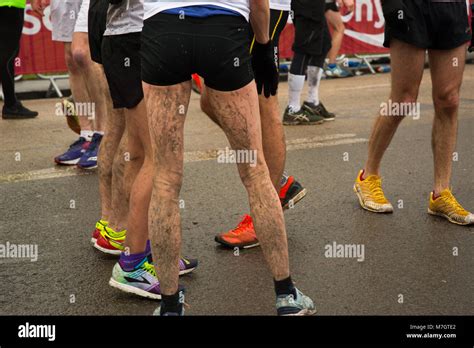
[(11, 26)]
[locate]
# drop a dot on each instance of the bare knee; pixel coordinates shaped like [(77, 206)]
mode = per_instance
[(70, 63), (447, 102), (81, 57), (401, 105), (136, 155)]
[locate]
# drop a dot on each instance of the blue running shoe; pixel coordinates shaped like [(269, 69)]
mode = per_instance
[(74, 153), (288, 305), (335, 71), (89, 158), (141, 280), (161, 310)]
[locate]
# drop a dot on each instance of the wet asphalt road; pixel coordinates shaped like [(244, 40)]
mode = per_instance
[(408, 253)]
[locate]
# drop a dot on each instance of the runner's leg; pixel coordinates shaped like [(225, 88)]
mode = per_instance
[(335, 21), (237, 112), (407, 71), (166, 122), (78, 87), (447, 68)]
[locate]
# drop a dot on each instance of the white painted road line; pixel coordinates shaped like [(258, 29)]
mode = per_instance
[(189, 157)]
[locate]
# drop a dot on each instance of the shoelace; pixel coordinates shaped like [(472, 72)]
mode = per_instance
[(149, 268), (245, 222), (376, 190), (451, 201)]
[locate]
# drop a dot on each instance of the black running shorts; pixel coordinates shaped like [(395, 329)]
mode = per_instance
[(278, 20), (434, 25), (97, 19), (216, 48), (122, 67), (312, 36)]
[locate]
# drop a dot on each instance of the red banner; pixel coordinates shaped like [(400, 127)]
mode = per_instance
[(38, 53), (364, 30)]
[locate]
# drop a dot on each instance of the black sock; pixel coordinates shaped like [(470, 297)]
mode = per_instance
[(170, 303), (285, 287)]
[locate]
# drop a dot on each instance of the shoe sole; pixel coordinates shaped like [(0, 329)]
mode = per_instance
[(296, 199), (186, 271), (133, 290), (67, 163), (233, 246), (431, 212), (330, 119), (303, 123), (107, 251), (362, 204), (16, 117), (303, 312), (93, 240), (87, 168)]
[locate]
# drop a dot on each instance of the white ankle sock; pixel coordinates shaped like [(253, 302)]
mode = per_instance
[(295, 87), (314, 80), (87, 134)]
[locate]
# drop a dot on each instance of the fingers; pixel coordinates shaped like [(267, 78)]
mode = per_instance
[(275, 84), (267, 88), (259, 86)]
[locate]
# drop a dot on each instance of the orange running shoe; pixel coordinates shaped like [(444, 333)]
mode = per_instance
[(243, 236)]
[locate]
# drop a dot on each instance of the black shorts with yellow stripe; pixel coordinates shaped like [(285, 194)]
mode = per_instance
[(278, 20)]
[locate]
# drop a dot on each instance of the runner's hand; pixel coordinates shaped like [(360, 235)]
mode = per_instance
[(395, 14), (265, 69), (349, 5), (38, 6)]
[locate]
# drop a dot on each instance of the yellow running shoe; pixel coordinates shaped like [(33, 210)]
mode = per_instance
[(448, 207), (99, 227), (370, 193), (110, 241)]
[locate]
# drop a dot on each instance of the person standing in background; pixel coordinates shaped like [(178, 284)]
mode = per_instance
[(12, 14), (334, 19)]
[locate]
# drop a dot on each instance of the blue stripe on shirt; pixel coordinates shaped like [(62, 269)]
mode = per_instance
[(202, 11)]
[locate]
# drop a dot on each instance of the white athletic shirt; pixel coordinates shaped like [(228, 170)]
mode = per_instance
[(281, 5), (153, 7), (125, 18)]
